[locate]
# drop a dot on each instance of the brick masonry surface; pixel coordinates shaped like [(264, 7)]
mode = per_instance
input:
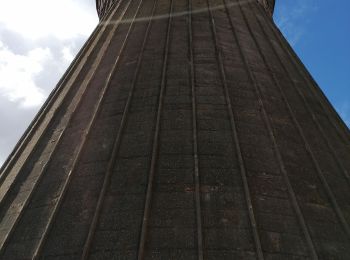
[(184, 129)]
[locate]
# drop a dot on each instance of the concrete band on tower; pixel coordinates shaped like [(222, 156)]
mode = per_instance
[(103, 6)]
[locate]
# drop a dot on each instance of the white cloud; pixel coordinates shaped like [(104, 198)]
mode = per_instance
[(17, 74), (67, 54), (52, 30), (34, 19), (38, 40)]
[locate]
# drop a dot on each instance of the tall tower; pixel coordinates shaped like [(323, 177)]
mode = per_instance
[(184, 129)]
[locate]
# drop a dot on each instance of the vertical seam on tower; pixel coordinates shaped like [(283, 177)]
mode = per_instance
[(301, 133), (154, 158), (313, 86), (301, 95), (268, 8), (116, 145), (22, 144), (83, 142), (24, 140), (38, 118), (43, 171), (291, 193), (111, 8), (307, 146), (252, 218), (195, 141)]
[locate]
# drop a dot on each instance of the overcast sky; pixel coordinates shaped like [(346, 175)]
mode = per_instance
[(39, 39)]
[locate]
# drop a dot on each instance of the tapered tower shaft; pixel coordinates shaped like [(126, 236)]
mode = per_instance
[(184, 129)]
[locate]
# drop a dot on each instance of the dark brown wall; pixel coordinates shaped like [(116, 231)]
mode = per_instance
[(183, 130), (269, 5), (103, 6)]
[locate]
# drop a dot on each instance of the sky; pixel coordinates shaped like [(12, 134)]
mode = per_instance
[(40, 39), (319, 31)]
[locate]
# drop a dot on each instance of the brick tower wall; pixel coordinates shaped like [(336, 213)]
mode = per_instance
[(184, 129)]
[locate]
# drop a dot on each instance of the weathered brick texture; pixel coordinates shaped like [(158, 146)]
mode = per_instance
[(184, 129)]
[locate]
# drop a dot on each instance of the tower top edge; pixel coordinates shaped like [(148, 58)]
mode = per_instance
[(269, 5), (103, 6)]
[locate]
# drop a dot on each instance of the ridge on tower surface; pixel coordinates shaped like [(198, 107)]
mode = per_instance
[(103, 6), (269, 5), (184, 129)]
